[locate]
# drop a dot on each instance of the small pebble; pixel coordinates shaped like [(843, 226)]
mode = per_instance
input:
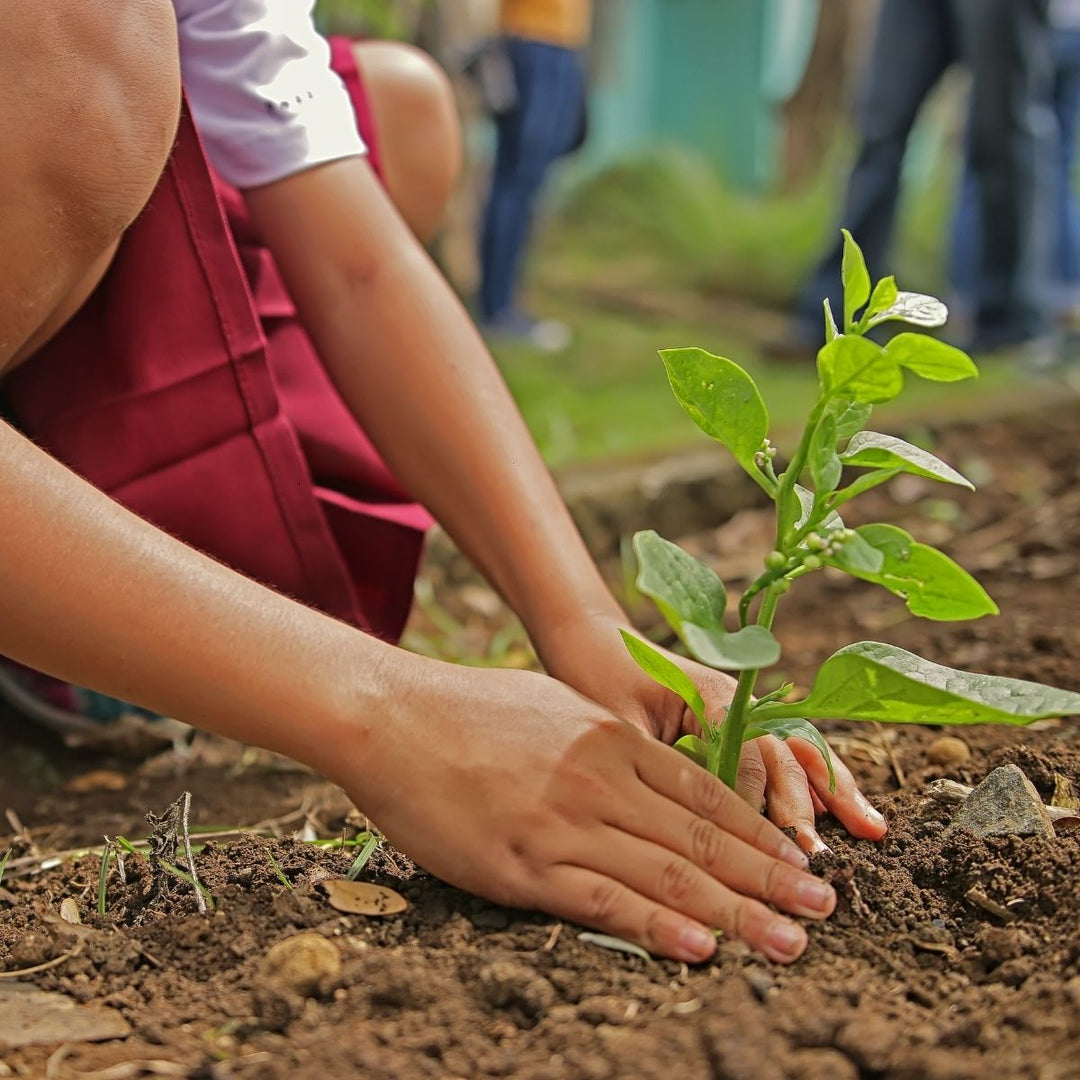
[(948, 751)]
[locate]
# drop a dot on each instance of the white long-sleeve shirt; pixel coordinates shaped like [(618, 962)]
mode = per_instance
[(258, 78)]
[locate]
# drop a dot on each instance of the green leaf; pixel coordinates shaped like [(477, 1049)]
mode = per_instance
[(750, 647), (858, 557), (692, 599), (694, 748), (822, 458), (832, 331), (666, 672), (851, 417), (930, 358), (721, 399), (832, 519), (871, 450), (855, 278), (863, 483), (853, 367), (791, 727), (915, 308), (684, 588), (932, 585), (882, 298), (873, 681)]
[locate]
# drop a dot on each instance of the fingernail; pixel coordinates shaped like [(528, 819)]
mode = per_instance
[(785, 940), (793, 856), (813, 843), (814, 895), (696, 944), (869, 812)]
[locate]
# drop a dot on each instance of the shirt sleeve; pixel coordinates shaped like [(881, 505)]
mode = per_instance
[(261, 89)]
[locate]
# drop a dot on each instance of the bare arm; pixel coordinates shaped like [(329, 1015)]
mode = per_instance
[(413, 369), (505, 783), (93, 594), (415, 372)]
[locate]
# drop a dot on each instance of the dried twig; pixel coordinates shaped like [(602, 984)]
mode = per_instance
[(553, 937), (163, 845), (887, 745), (41, 967), (980, 899)]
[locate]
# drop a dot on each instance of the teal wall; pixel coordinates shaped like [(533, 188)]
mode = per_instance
[(706, 74)]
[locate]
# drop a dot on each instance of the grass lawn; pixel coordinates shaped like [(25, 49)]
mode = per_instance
[(607, 395)]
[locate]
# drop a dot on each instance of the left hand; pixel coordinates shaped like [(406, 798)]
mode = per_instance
[(789, 779)]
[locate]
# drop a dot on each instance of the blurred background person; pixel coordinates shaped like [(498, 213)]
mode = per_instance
[(545, 120), (1063, 271), (1006, 46)]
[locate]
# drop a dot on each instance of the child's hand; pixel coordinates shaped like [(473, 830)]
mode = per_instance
[(513, 786), (789, 778)]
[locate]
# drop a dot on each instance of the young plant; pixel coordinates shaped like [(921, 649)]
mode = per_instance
[(868, 680)]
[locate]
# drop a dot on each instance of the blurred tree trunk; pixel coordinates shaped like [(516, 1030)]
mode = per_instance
[(813, 115)]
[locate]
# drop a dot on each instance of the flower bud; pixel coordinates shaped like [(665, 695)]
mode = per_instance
[(815, 541), (812, 562), (775, 560)]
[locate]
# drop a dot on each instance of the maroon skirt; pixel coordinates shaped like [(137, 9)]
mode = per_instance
[(187, 389)]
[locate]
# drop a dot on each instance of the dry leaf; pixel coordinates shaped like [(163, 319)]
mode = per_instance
[(96, 780), (362, 897), (69, 912), (1064, 793), (29, 1017)]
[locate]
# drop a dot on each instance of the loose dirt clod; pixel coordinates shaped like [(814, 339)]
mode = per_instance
[(948, 752), (301, 963), (1004, 804)]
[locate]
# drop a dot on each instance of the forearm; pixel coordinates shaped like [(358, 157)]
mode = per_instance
[(413, 369), (93, 594)]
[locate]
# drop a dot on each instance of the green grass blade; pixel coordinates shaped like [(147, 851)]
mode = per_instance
[(361, 860)]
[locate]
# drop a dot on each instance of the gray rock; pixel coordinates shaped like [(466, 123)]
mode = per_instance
[(1004, 804)]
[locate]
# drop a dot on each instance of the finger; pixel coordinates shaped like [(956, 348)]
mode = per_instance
[(753, 779), (726, 884), (788, 798), (669, 773), (596, 900), (819, 806), (845, 802), (674, 856)]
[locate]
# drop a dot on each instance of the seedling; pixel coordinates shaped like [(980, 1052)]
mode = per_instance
[(868, 680), (370, 844), (277, 870), (103, 876)]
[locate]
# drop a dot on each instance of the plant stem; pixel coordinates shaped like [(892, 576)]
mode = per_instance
[(785, 496), (726, 765)]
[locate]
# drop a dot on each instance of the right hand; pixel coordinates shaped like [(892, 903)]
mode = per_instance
[(512, 786)]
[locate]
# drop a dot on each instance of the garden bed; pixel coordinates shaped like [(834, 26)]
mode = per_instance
[(912, 977)]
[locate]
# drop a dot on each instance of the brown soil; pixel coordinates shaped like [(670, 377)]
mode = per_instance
[(910, 979)]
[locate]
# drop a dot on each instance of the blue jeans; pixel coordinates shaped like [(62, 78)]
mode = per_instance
[(1063, 272), (1006, 44), (546, 123)]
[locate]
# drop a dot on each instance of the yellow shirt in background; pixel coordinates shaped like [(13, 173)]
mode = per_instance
[(557, 22)]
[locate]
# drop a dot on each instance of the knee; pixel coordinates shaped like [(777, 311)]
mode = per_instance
[(98, 85), (419, 131)]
